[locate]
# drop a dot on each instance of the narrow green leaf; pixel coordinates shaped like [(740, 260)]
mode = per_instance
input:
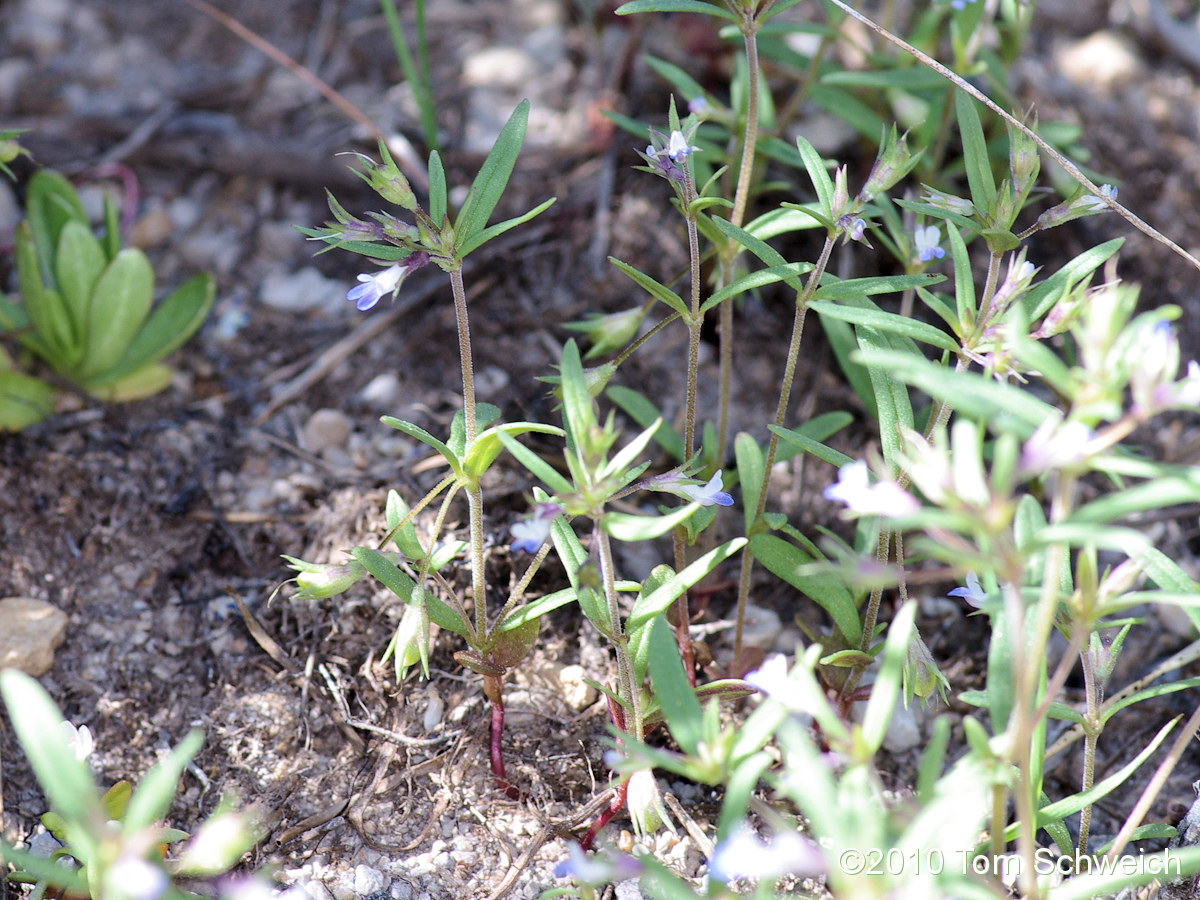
[(818, 173), (1043, 295), (50, 203), (828, 590), (67, 782), (975, 154), (487, 446), (675, 696), (537, 466), (396, 581), (118, 307), (492, 179), (891, 398), (1006, 408), (688, 6), (653, 288), (815, 448), (536, 609), (675, 76), (416, 431), (45, 308), (756, 279), (578, 414), (437, 189), (845, 349), (890, 322), (494, 231), (857, 288), (156, 792), (626, 527), (1181, 486), (651, 604), (751, 467)]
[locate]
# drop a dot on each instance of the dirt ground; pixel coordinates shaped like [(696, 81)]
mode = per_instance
[(139, 520)]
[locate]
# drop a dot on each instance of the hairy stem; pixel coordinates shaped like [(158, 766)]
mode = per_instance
[(781, 408)]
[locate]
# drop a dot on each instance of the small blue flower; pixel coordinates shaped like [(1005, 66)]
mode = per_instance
[(771, 677), (531, 533), (678, 148), (599, 869), (883, 498), (972, 593), (928, 241), (373, 287), (710, 494), (745, 855), (960, 4)]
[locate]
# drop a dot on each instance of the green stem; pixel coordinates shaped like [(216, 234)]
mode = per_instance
[(741, 199), (474, 492), (619, 638), (781, 408)]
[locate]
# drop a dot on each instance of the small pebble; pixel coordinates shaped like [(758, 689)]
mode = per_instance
[(382, 392), (302, 290), (368, 881), (324, 429), (30, 631)]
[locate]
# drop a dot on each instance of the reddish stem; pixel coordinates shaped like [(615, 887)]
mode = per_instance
[(491, 687), (618, 802)]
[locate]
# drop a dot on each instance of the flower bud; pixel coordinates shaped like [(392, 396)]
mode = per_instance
[(645, 804), (318, 581), (1023, 159), (610, 333), (1082, 204), (949, 202), (921, 676), (894, 161), (386, 179)]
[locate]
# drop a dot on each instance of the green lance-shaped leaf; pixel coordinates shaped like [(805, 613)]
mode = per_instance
[(891, 397), (494, 231), (626, 527), (437, 189), (382, 567), (578, 414), (818, 174), (653, 288), (427, 439), (889, 322), (975, 154), (485, 415), (665, 593), (50, 204), (173, 321), (78, 263), (119, 306), (675, 696), (153, 797), (67, 782), (44, 306), (487, 446), (688, 6), (751, 467), (493, 177), (788, 562)]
